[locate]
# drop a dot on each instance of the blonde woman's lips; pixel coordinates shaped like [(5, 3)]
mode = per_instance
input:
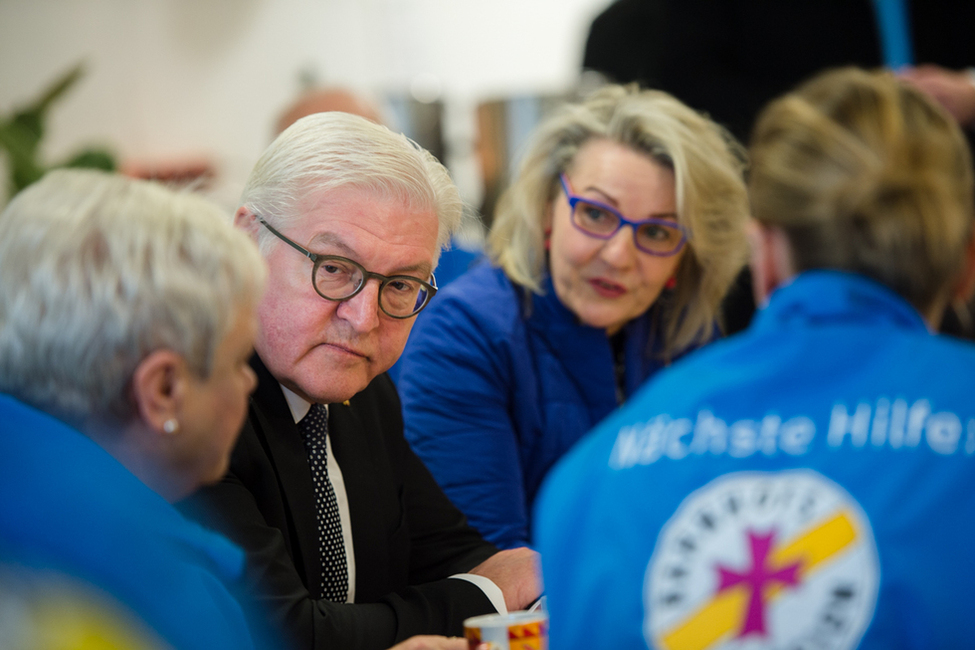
[(606, 288)]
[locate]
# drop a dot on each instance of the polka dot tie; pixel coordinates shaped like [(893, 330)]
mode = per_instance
[(335, 575)]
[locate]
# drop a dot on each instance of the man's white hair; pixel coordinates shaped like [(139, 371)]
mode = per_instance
[(326, 151), (97, 272)]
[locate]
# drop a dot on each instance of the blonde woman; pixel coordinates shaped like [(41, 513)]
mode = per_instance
[(610, 254)]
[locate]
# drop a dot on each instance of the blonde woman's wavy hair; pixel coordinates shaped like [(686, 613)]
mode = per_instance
[(711, 200), (864, 173)]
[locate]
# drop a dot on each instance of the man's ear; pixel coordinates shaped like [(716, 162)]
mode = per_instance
[(158, 384), (771, 262), (965, 285), (246, 221)]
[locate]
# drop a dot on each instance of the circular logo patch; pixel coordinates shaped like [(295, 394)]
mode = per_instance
[(763, 560)]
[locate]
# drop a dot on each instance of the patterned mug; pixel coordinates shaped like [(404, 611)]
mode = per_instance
[(514, 631)]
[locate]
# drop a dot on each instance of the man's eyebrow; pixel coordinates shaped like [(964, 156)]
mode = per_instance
[(423, 269), (420, 271), (332, 240)]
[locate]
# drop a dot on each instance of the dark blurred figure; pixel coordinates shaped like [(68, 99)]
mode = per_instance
[(730, 58)]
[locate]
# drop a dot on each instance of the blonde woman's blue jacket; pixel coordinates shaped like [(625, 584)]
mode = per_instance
[(497, 385)]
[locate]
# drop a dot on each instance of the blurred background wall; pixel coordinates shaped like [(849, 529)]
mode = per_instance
[(202, 82)]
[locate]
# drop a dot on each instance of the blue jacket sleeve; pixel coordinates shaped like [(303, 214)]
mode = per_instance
[(455, 382)]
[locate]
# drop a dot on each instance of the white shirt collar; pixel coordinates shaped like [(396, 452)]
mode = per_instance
[(299, 405)]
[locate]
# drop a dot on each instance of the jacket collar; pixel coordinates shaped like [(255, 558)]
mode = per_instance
[(585, 351), (278, 434), (837, 297), (112, 483)]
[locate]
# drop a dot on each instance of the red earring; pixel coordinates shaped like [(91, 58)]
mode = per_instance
[(548, 239), (671, 283)]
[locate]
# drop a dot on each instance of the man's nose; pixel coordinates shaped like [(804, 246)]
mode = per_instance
[(362, 309)]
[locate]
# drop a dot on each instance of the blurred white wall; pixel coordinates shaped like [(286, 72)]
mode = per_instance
[(178, 78)]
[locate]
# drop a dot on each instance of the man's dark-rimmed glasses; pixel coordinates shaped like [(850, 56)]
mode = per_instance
[(338, 278), (661, 237)]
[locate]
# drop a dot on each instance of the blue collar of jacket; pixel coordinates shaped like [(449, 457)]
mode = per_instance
[(836, 297), (584, 349), (28, 430)]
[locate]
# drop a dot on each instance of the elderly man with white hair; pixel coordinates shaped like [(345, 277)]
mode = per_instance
[(350, 541)]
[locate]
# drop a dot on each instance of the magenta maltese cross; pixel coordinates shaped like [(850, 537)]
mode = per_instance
[(758, 577)]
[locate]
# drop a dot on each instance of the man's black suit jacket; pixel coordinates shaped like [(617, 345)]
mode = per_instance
[(407, 536)]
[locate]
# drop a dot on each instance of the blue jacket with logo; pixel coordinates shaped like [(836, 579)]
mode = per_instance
[(496, 387), (67, 505), (809, 483)]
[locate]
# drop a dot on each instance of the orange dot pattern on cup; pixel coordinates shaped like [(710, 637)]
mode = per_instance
[(530, 636)]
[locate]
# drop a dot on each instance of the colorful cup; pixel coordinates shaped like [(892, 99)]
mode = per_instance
[(514, 631)]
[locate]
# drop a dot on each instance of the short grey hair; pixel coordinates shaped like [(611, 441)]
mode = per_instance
[(712, 202), (326, 151), (99, 271)]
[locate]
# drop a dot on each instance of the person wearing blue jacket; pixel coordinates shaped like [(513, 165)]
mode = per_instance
[(809, 483), (609, 256), (123, 385)]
